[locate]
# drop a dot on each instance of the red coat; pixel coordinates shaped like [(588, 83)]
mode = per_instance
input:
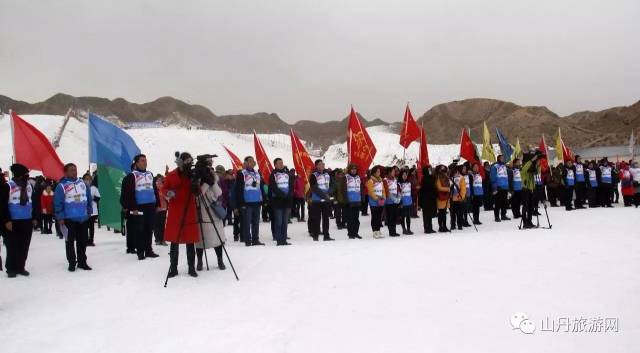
[(626, 183), (46, 203), (183, 200)]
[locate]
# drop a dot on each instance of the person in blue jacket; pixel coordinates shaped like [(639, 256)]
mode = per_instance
[(569, 181), (515, 182), (16, 219), (477, 192), (72, 204), (248, 200), (500, 187)]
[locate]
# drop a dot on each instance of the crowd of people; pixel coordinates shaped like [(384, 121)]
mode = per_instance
[(194, 203)]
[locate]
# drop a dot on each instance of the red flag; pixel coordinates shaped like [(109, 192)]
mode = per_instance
[(410, 130), (235, 161), (423, 157), (544, 162), (301, 160), (264, 164), (469, 152), (33, 149), (359, 145), (566, 153)]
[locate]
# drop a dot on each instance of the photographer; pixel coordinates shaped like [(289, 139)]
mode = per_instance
[(182, 221), (212, 225), (139, 199)]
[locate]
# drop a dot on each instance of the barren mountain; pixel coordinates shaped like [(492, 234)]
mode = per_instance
[(443, 122)]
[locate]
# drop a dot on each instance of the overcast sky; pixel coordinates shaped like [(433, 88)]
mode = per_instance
[(311, 59)]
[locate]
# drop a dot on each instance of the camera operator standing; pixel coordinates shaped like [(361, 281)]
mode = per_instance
[(139, 199), (212, 226), (182, 222)]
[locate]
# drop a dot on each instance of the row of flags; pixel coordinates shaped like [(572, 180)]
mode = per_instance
[(112, 150)]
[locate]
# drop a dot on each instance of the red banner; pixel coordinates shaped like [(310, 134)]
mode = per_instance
[(236, 163), (410, 129), (33, 149), (469, 152), (359, 145), (264, 164), (544, 162), (301, 160)]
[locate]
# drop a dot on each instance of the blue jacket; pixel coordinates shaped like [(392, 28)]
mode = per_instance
[(77, 211), (499, 181)]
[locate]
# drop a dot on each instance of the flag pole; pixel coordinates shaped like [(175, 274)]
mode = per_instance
[(13, 141)]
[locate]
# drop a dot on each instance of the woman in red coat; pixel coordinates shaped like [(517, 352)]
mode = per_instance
[(626, 184), (182, 223)]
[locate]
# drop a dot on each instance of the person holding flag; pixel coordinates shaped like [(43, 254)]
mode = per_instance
[(140, 202), (321, 200), (72, 203), (16, 219)]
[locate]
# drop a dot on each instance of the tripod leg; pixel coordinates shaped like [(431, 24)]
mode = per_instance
[(466, 218), (208, 210), (200, 221)]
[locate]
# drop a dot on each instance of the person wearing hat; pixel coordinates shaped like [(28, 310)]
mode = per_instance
[(16, 219), (138, 197), (72, 204), (182, 225)]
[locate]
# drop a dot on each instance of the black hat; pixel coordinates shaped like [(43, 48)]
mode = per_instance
[(19, 170)]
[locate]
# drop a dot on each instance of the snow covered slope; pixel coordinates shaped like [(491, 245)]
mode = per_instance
[(159, 144)]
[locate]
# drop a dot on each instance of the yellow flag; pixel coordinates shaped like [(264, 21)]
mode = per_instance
[(487, 147), (517, 151), (559, 152)]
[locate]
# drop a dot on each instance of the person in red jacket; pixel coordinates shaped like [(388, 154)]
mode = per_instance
[(626, 184), (298, 198), (182, 221), (46, 203)]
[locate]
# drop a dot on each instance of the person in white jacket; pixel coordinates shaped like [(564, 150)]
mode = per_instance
[(635, 175), (212, 229)]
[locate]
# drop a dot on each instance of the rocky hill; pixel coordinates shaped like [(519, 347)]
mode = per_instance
[(443, 122)]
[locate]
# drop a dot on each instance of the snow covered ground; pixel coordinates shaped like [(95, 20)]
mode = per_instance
[(437, 293)]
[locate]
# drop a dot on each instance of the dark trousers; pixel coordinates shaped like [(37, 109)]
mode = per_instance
[(280, 223), (605, 194), (364, 206), (130, 233), (158, 227), (442, 220), (391, 219), (174, 255), (47, 223), (477, 202), (144, 224), (516, 202), (352, 216), (487, 199), (528, 206), (337, 212), (376, 217), (500, 207), (581, 193), (592, 193), (76, 242), (568, 197), (405, 217), (251, 223), (457, 214), (17, 243), (426, 221), (298, 208), (92, 228), (319, 212)]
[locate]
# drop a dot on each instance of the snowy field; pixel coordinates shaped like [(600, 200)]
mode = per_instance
[(437, 293)]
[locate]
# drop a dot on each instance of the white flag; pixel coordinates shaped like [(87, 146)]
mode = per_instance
[(632, 144)]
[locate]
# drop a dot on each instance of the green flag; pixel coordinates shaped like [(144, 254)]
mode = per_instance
[(110, 184)]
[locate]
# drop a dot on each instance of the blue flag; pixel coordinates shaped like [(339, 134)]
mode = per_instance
[(505, 147), (109, 145)]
